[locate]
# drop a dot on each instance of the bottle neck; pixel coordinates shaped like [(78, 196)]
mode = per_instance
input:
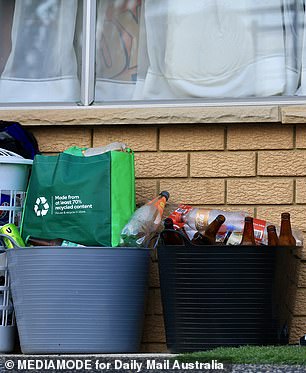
[(168, 224), (286, 237), (248, 233), (272, 237), (213, 227), (285, 227)]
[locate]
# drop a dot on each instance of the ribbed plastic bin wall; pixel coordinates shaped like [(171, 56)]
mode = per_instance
[(79, 300), (8, 328), (217, 296)]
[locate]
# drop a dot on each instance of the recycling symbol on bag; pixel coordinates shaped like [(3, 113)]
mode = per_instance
[(41, 206)]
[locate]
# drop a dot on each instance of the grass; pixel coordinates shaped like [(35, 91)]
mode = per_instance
[(282, 355)]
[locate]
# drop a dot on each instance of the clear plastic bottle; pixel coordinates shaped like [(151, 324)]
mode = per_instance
[(144, 222), (199, 219)]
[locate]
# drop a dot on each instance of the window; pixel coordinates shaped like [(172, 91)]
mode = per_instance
[(106, 51), (40, 40)]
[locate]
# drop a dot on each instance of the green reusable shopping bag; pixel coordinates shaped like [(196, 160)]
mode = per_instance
[(86, 200)]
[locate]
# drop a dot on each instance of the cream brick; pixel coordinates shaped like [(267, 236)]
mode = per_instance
[(154, 275), (272, 136), (259, 191), (137, 138), (273, 215), (301, 251), (154, 330), (301, 136), (145, 190), (195, 191), (149, 310), (300, 196), (282, 163), (301, 273), (222, 164), (192, 138), (300, 302), (297, 329), (57, 139), (153, 348), (154, 304), (161, 164), (249, 209)]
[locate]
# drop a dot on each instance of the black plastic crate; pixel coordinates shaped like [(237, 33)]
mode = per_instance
[(218, 296)]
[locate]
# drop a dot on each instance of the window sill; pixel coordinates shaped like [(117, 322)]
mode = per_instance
[(154, 114)]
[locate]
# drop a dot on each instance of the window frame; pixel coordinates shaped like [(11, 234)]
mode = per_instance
[(88, 52)]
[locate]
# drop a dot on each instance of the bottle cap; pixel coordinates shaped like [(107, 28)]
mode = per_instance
[(285, 215), (168, 222), (271, 227), (221, 218), (165, 194)]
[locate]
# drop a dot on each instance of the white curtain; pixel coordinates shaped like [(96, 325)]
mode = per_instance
[(200, 49), (42, 65), (221, 48), (117, 38)]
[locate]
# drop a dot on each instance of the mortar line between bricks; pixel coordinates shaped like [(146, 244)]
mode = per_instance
[(188, 165), (294, 193), (225, 137), (294, 137), (92, 132), (261, 205), (194, 178), (158, 139), (267, 177)]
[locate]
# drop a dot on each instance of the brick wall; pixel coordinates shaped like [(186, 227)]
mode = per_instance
[(260, 168)]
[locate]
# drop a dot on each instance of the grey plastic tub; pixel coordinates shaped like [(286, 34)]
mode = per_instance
[(79, 300)]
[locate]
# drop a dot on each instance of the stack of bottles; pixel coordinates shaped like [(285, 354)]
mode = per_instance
[(198, 226), (227, 228)]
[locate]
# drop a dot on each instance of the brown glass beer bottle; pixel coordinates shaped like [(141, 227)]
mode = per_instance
[(209, 237), (34, 241), (171, 237), (272, 235), (248, 237), (286, 237), (198, 239)]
